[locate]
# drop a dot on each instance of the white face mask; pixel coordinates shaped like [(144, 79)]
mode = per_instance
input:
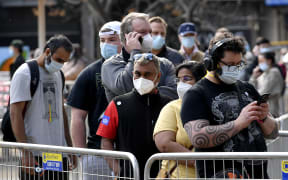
[(230, 74), (53, 66), (143, 86), (147, 43), (182, 88)]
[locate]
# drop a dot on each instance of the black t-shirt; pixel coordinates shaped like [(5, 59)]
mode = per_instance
[(88, 94), (219, 103), (17, 63)]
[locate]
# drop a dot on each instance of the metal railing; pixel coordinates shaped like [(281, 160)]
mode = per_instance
[(14, 156), (274, 165), (277, 145), (240, 157)]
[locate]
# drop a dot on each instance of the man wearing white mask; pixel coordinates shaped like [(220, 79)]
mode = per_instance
[(136, 38), (87, 98), (129, 119), (41, 118), (159, 48), (187, 36), (232, 116)]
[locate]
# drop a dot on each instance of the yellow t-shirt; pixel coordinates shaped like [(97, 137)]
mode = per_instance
[(170, 120)]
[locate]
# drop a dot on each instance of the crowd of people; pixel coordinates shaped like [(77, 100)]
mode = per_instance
[(144, 97)]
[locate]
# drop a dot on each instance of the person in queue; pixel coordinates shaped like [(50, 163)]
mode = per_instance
[(169, 133)]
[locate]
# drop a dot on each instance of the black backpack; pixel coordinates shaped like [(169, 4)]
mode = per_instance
[(6, 121)]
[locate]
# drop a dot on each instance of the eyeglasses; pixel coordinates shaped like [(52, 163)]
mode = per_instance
[(238, 66), (147, 56), (184, 79)]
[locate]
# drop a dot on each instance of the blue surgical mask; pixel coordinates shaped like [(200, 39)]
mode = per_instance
[(263, 66), (158, 42), (188, 42), (108, 50), (53, 66)]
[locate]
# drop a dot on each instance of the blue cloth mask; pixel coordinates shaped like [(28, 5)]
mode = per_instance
[(158, 42), (188, 42), (108, 50)]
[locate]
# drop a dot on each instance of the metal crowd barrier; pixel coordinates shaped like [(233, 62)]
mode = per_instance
[(240, 157), (274, 165), (283, 121), (277, 145), (56, 163)]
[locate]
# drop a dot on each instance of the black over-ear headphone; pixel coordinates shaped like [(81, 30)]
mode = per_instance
[(210, 58)]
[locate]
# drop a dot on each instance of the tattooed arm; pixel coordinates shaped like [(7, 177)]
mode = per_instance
[(204, 135), (270, 128)]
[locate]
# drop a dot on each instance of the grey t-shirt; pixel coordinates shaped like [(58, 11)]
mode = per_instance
[(43, 119)]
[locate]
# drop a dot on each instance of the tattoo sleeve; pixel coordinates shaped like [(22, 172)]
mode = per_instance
[(275, 133), (202, 135)]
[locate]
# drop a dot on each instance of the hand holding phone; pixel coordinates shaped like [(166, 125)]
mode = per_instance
[(140, 40), (257, 72), (263, 99), (133, 41)]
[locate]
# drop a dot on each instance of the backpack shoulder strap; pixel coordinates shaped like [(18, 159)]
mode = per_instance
[(34, 72), (63, 80)]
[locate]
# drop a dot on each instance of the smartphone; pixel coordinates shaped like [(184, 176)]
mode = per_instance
[(263, 99), (260, 70), (140, 40)]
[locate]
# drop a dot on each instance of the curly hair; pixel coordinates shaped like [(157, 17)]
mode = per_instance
[(235, 44)]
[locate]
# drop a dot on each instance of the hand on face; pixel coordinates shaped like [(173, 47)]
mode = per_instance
[(132, 41), (256, 72)]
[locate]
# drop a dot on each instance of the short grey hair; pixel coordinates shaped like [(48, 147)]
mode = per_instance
[(126, 24), (143, 61)]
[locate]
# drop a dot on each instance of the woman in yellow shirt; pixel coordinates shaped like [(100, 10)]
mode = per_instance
[(169, 133)]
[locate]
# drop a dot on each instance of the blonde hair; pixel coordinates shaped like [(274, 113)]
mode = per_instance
[(158, 19)]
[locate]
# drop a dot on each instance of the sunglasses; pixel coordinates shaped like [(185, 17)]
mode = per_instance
[(147, 56)]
